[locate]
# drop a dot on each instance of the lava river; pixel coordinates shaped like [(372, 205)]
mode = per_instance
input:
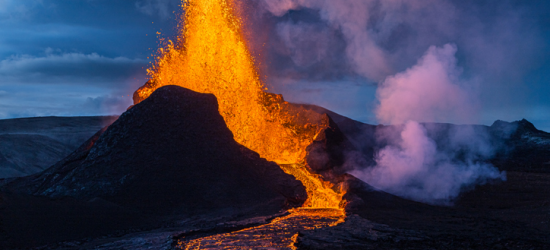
[(281, 233)]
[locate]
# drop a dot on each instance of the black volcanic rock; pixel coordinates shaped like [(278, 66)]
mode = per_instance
[(527, 149), (326, 155), (517, 146), (174, 149), (170, 155)]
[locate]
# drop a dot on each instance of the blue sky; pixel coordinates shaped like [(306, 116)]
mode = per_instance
[(86, 57), (75, 57)]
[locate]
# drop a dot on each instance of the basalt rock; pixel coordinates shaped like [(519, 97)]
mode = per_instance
[(326, 155), (524, 147), (171, 155), (174, 149)]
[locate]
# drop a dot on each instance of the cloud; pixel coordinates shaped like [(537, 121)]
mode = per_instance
[(102, 57), (162, 8), (280, 7), (21, 9), (107, 104), (305, 50), (366, 58), (385, 37), (430, 91), (413, 165), (503, 48), (51, 67), (58, 100), (68, 84), (9, 8)]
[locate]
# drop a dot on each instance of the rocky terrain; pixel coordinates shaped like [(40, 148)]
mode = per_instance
[(167, 159), (168, 174), (30, 145), (518, 145)]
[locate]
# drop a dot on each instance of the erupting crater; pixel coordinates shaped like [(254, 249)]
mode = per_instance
[(211, 56)]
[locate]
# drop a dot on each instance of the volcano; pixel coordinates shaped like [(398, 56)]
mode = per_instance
[(208, 158), (168, 174), (169, 156)]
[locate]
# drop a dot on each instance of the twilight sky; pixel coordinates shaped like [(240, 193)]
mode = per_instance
[(86, 57)]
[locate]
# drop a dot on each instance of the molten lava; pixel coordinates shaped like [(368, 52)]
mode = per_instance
[(281, 233), (211, 56)]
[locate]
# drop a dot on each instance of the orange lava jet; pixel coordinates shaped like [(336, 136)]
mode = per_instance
[(211, 56)]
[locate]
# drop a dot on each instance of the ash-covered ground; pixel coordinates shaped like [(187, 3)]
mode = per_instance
[(168, 170)]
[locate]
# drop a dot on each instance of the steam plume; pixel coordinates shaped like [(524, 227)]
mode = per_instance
[(378, 38), (384, 37), (412, 165), (366, 58)]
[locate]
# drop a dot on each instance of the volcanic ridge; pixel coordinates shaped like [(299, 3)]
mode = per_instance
[(169, 174), (170, 155)]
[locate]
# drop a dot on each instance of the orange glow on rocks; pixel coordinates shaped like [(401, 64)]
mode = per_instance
[(211, 56)]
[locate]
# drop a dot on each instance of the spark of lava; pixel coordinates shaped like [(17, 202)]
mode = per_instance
[(211, 55)]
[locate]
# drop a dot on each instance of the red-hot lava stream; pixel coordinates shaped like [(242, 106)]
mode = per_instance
[(211, 56)]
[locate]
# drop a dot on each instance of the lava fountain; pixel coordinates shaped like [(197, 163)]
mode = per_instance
[(211, 55)]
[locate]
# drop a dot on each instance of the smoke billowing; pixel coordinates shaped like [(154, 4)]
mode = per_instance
[(412, 164), (502, 45), (431, 60), (381, 38), (428, 91)]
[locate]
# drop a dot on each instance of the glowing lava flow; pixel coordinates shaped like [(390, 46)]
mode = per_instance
[(281, 233), (211, 56)]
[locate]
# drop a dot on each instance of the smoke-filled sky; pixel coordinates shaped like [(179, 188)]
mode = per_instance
[(86, 57)]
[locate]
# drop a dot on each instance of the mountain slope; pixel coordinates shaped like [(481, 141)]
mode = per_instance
[(171, 157), (30, 145)]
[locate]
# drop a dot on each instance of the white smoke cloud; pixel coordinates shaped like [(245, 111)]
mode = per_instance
[(310, 49), (429, 91), (383, 41), (411, 165), (384, 37), (415, 169)]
